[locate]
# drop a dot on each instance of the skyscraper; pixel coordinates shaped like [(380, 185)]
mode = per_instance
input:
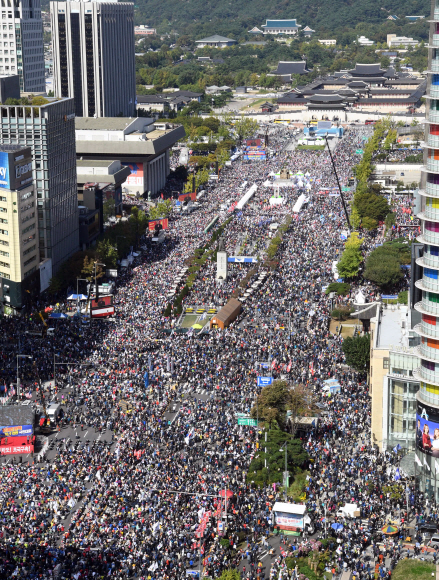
[(427, 413), (49, 129), (93, 56), (21, 44)]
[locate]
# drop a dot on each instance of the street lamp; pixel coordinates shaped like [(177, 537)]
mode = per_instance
[(285, 472), (77, 289), (18, 378)]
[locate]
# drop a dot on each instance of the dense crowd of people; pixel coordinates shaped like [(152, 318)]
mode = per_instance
[(151, 502)]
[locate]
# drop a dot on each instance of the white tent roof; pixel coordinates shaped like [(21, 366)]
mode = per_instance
[(289, 508)]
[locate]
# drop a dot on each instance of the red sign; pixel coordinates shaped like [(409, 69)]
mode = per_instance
[(100, 312), (15, 450), (163, 222), (103, 301), (183, 196)]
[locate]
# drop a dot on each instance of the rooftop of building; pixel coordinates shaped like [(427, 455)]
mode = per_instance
[(216, 38), (393, 324), (291, 68), (292, 23), (13, 148), (104, 123)]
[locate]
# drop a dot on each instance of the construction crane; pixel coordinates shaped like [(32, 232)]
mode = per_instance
[(45, 427)]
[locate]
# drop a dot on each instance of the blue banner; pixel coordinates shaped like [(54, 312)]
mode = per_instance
[(242, 260), (389, 296), (15, 430), (265, 381)]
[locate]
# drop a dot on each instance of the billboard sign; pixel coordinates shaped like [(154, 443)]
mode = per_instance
[(427, 429), (136, 177), (153, 223), (253, 142), (183, 196), (16, 430), (16, 449), (287, 520), (4, 170), (264, 381)]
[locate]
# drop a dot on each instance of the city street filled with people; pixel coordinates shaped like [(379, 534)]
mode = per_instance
[(147, 472)]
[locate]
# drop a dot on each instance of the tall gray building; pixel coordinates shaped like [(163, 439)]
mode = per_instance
[(49, 130), (21, 44), (93, 56)]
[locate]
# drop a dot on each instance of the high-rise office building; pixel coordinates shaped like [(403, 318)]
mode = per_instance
[(19, 256), (49, 129), (427, 413), (21, 44), (93, 56)]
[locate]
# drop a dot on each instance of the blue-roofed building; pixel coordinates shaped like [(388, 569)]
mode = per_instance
[(414, 18), (281, 27)]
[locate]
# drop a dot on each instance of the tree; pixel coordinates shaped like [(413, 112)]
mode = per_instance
[(246, 127), (55, 285), (275, 400), (88, 270), (138, 223), (232, 574), (357, 352), (161, 210), (384, 270), (349, 263), (107, 253), (109, 208), (272, 454), (354, 241), (371, 205)]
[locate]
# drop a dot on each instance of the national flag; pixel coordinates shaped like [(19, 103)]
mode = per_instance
[(397, 448), (397, 475), (290, 364), (273, 364), (426, 464), (418, 461)]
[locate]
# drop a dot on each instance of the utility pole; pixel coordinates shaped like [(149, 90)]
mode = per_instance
[(339, 187)]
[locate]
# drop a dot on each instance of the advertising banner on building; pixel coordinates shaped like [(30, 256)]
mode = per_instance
[(4, 170), (16, 431), (153, 223), (16, 449), (183, 196), (427, 429), (136, 177), (286, 520), (252, 142)]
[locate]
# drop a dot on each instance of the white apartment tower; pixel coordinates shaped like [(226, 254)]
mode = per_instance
[(21, 43), (93, 56)]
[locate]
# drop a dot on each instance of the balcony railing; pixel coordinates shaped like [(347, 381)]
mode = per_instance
[(433, 141), (428, 352), (432, 189), (427, 397), (427, 329), (434, 40), (434, 91), (431, 237), (433, 116), (432, 164), (432, 261)]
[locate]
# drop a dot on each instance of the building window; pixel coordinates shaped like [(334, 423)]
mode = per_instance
[(29, 250), (28, 229), (4, 264), (29, 261), (4, 275), (386, 363), (4, 232)]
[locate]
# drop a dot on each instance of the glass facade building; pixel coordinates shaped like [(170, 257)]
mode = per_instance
[(50, 132), (427, 404)]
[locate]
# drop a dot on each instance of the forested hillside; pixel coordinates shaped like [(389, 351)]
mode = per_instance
[(234, 17)]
